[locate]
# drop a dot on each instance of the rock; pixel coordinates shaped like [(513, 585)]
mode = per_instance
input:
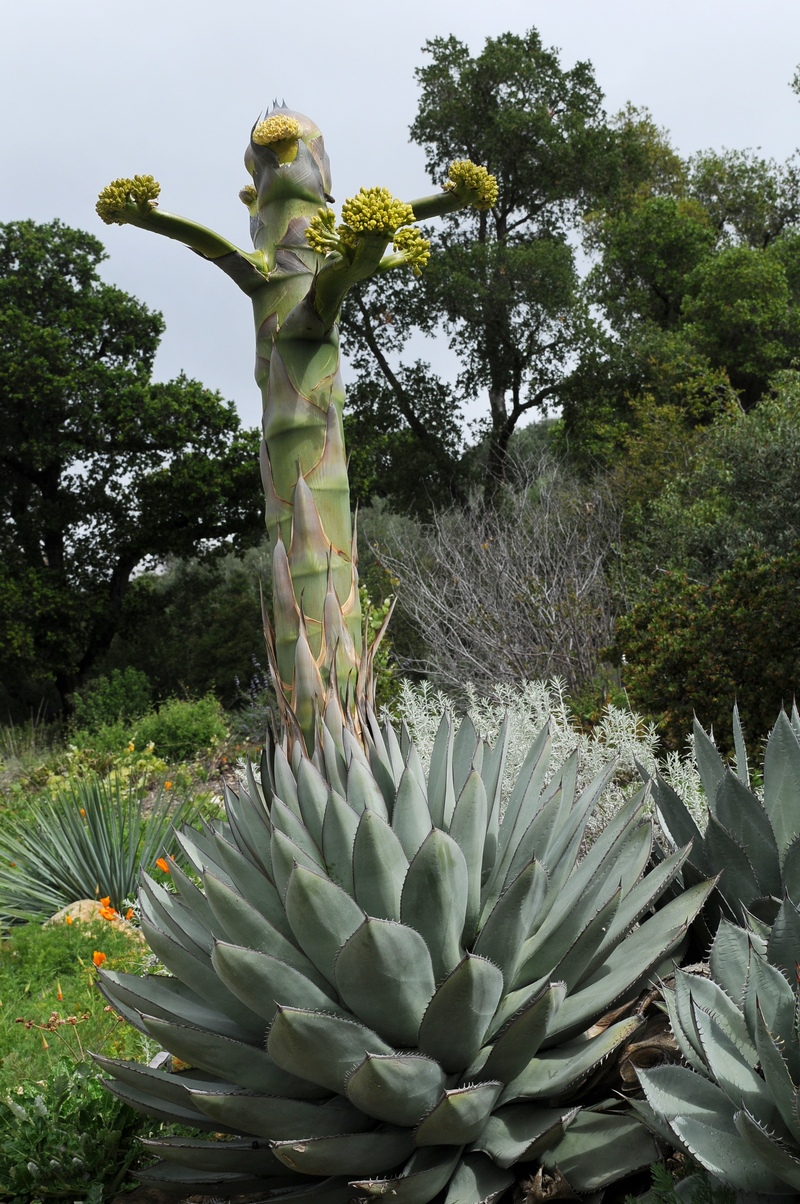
[(87, 911)]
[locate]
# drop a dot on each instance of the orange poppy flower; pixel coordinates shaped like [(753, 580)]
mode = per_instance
[(68, 919), (161, 862), (83, 812), (109, 913), (98, 958), (168, 785)]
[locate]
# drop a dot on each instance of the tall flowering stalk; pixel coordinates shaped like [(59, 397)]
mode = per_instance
[(302, 266)]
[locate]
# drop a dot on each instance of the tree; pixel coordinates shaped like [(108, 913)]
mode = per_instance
[(103, 471), (501, 283)]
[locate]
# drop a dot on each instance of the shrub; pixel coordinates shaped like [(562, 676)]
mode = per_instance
[(689, 648), (87, 842), (182, 729), (124, 695)]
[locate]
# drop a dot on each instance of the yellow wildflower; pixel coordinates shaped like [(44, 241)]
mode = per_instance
[(472, 183)]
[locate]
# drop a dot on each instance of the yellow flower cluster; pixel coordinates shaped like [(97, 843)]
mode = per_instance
[(142, 190), (414, 246), (321, 232), (472, 182), (277, 128), (248, 194), (376, 210)]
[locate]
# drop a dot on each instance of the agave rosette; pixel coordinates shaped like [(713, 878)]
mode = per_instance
[(385, 984)]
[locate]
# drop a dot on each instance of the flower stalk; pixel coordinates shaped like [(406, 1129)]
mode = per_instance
[(297, 276)]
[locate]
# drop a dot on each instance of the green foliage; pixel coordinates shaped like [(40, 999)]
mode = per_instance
[(123, 695), (86, 842), (687, 647), (194, 627), (101, 469), (47, 975), (181, 729)]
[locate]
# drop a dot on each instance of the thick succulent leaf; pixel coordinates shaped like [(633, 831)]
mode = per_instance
[(286, 821), (264, 983), (244, 925), (169, 998), (411, 819), (385, 976), (259, 891), (778, 1079), (468, 830), (710, 997), (742, 768), (285, 856), (171, 913), (411, 758), (783, 945), (434, 899), (477, 1181), (379, 867), (492, 769), (206, 1183), (458, 1016), (640, 899), (245, 1157), (459, 1116), (520, 1039), (519, 1132), (333, 765), (782, 782), (522, 806), (676, 820), (508, 924), (278, 1117), (769, 991), (398, 1088), (742, 1085), (629, 965), (284, 782), (710, 765), (467, 753), (425, 1174), (322, 916), (191, 895), (685, 1038), (380, 763), (153, 1105), (441, 793), (685, 1012), (200, 974), (743, 815), (779, 1161), (346, 1154), (675, 1091), (729, 959), (312, 798), (791, 871), (363, 791), (582, 954), (739, 884), (559, 1071), (718, 1146), (338, 837), (250, 827), (599, 1149), (201, 852), (234, 1062), (322, 1049), (161, 1084)]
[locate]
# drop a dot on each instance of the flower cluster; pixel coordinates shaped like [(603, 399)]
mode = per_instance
[(111, 203), (472, 183), (277, 128), (377, 211), (414, 246)]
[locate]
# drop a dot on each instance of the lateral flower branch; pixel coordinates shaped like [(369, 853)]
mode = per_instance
[(297, 276)]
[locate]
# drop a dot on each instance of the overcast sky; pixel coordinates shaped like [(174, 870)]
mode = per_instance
[(93, 90)]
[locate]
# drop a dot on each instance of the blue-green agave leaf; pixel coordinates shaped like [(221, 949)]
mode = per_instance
[(385, 976), (742, 1085), (743, 815), (312, 798), (169, 998), (458, 1016), (519, 1132), (520, 1039), (772, 1154), (468, 830), (507, 926), (379, 867), (425, 1174), (441, 793), (434, 899), (783, 945), (782, 782), (347, 1154), (729, 960), (338, 837), (322, 916), (560, 1070), (411, 819), (213, 1183), (264, 983), (779, 1081), (279, 1117), (598, 1149), (477, 1181), (459, 1116), (323, 1049), (397, 1088), (244, 1157), (710, 765)]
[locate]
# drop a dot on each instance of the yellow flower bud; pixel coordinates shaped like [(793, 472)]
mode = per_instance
[(277, 128), (411, 243), (113, 199), (472, 183), (376, 210)]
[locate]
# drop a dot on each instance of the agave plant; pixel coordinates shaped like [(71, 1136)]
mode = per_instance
[(386, 987), (297, 277), (734, 1107), (751, 843)]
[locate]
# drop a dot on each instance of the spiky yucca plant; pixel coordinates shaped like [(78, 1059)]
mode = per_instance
[(297, 276), (386, 987)]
